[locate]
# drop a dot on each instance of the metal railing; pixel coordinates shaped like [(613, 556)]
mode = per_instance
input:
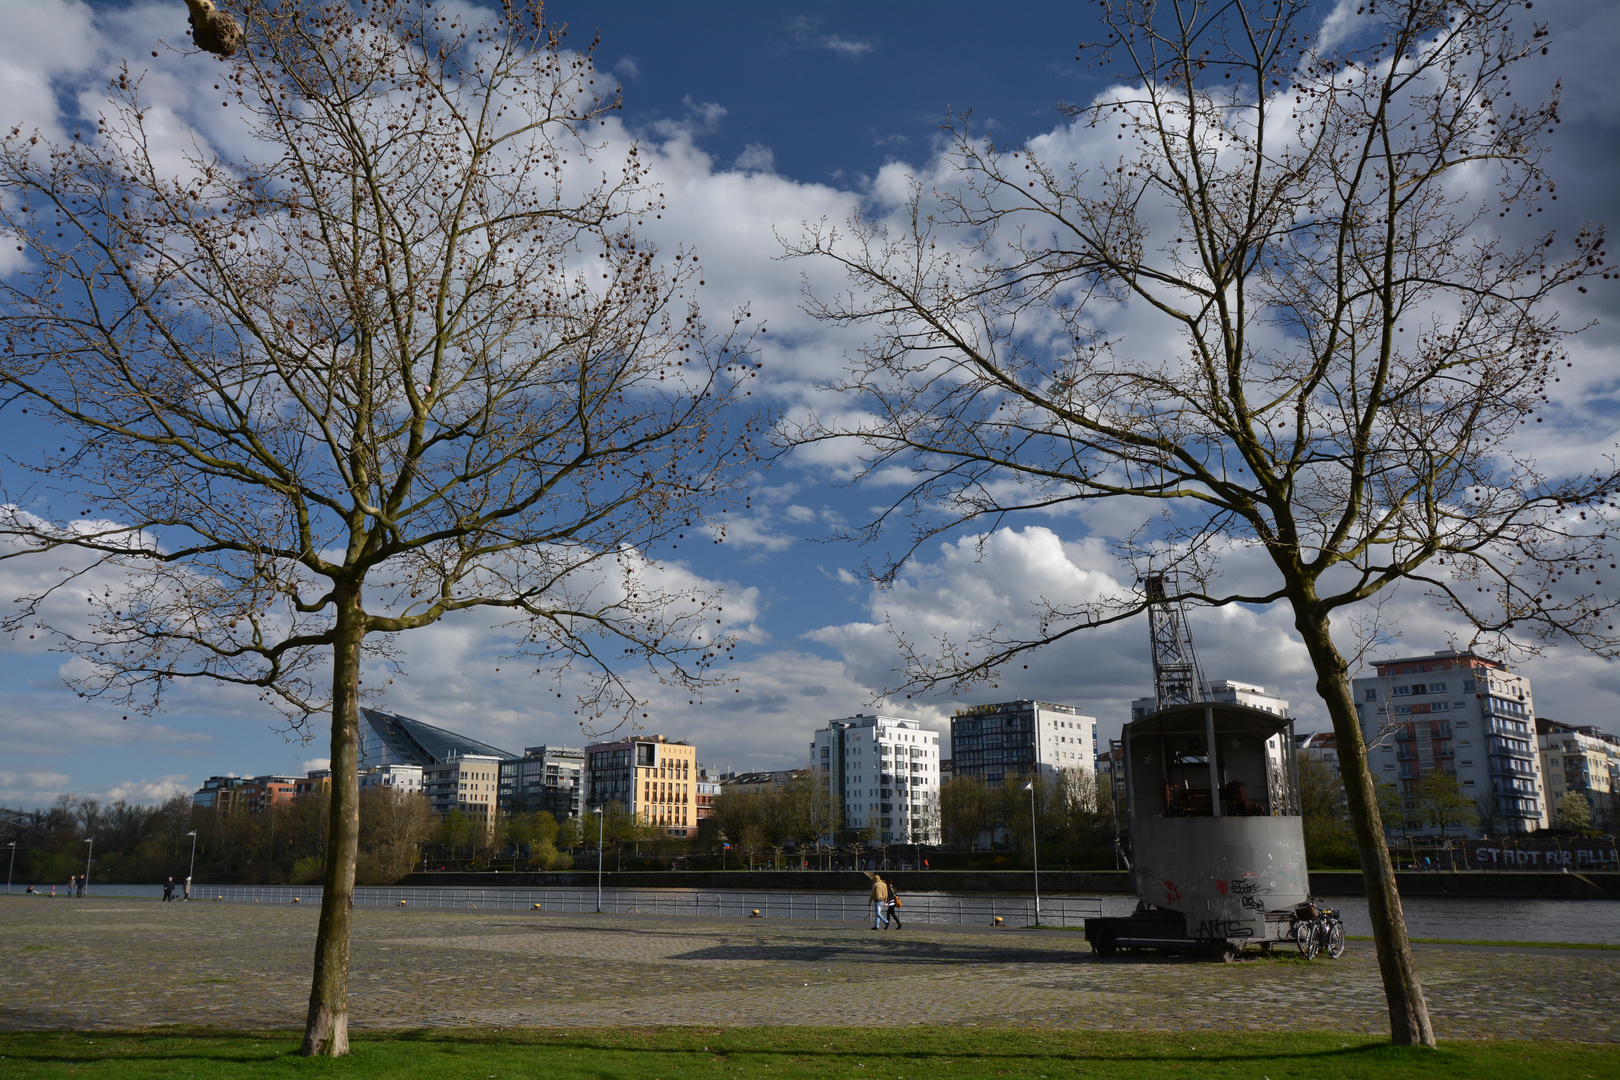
[(926, 908)]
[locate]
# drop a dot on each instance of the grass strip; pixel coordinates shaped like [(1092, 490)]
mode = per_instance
[(1513, 944), (789, 1053)]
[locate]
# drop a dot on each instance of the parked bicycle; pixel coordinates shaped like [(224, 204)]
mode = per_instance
[(1317, 930)]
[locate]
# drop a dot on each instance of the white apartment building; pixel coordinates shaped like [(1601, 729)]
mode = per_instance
[(1581, 759), (1462, 714), (883, 773), (400, 777), (1320, 746)]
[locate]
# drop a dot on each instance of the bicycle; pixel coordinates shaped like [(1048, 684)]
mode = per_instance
[(1317, 930)]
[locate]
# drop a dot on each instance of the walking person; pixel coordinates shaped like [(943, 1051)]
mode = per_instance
[(879, 898), (84, 879), (894, 908), (168, 890), (187, 894)]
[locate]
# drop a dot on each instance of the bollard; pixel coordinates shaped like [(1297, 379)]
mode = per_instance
[(997, 922)]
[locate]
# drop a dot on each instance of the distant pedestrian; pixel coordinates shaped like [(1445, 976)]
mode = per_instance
[(186, 895), (53, 894), (894, 908), (83, 880), (879, 898), (168, 890), (71, 880)]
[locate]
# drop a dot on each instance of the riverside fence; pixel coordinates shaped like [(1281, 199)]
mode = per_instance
[(931, 908)]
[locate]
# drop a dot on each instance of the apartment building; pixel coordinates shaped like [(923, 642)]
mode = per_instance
[(406, 778), (883, 774), (548, 779), (1320, 746), (1018, 738), (708, 790), (316, 782), (652, 777), (1463, 715), (1581, 759), (252, 794), (469, 783)]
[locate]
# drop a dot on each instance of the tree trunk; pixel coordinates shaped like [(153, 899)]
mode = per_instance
[(326, 1032), (1408, 1013)]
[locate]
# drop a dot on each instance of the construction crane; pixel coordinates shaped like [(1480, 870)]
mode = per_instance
[(1177, 678)]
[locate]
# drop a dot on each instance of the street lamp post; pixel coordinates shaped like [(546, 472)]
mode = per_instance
[(1034, 850), (193, 866), (87, 853), (13, 866), (599, 818)]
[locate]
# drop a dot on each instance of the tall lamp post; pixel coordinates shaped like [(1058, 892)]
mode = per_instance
[(193, 866), (13, 866), (87, 853), (599, 818), (1034, 850)]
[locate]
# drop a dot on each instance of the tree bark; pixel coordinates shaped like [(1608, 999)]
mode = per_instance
[(1408, 1012), (326, 1031)]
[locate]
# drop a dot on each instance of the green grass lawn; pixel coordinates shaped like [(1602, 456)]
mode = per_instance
[(918, 1053)]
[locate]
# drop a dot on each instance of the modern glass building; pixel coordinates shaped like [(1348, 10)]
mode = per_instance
[(391, 739)]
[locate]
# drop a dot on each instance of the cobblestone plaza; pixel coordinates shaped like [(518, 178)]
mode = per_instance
[(118, 964)]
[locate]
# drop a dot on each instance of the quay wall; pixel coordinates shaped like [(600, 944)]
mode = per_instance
[(1492, 884)]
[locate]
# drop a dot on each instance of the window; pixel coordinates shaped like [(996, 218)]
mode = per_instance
[(1468, 684), (1402, 691), (1371, 695)]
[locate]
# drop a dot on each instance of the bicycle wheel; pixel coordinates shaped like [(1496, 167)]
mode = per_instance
[(1335, 939), (1304, 934)]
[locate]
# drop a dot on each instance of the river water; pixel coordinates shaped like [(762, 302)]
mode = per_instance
[(1473, 919)]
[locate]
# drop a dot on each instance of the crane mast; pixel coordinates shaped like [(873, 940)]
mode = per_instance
[(1177, 678)]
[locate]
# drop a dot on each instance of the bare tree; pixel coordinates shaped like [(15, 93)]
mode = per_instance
[(964, 811), (403, 358), (1317, 229)]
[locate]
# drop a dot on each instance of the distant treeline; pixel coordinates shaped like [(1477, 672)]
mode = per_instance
[(285, 843)]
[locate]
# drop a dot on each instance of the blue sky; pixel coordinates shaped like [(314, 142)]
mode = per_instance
[(760, 116)]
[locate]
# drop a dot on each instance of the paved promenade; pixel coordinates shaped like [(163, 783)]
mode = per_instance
[(104, 964)]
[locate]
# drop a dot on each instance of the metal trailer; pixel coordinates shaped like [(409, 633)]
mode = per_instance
[(1217, 848)]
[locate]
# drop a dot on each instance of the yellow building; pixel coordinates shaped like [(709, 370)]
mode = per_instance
[(652, 777), (469, 783), (1580, 759)]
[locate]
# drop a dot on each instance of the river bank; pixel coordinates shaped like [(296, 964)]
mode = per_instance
[(1483, 884)]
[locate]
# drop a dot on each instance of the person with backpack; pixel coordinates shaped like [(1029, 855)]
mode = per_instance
[(879, 898), (894, 908)]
